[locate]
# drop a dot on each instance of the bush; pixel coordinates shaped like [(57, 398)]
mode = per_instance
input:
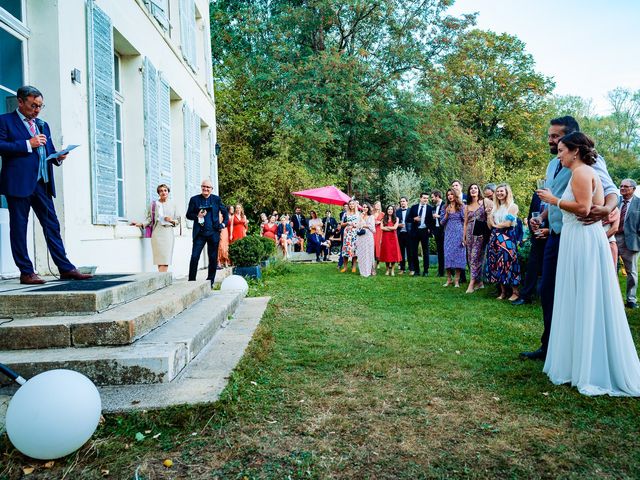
[(277, 268), (268, 247), (246, 252)]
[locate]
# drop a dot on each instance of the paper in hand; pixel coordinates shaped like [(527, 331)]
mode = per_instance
[(55, 156)]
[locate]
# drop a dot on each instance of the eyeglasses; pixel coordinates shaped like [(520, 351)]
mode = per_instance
[(626, 186), (206, 187), (36, 106)]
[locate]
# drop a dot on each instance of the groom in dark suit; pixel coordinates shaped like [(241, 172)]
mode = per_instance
[(27, 182)]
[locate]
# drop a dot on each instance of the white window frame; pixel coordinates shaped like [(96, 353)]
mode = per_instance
[(119, 140)]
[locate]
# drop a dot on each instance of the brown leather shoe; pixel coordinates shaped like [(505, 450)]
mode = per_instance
[(74, 275), (30, 279)]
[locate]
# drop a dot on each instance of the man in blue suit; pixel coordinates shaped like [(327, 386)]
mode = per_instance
[(27, 182), (205, 211)]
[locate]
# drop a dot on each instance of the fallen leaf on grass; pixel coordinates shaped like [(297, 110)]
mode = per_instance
[(254, 383), (458, 352), (49, 464), (104, 472), (272, 421), (168, 463), (147, 432), (27, 470), (497, 399), (157, 435), (139, 437), (546, 394)]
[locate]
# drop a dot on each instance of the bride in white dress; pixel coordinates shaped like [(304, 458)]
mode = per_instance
[(590, 345)]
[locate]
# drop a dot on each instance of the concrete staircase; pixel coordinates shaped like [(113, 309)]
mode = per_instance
[(123, 332)]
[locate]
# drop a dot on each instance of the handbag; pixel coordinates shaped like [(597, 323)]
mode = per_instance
[(362, 231), (148, 230)]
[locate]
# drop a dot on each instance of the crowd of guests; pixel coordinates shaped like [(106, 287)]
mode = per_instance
[(479, 229)]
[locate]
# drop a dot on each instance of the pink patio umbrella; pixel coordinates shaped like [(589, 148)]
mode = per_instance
[(330, 195)]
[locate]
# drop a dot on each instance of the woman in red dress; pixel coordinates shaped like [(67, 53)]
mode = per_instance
[(239, 224), (378, 214), (270, 229), (389, 246)]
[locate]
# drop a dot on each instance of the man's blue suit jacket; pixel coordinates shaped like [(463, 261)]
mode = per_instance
[(19, 174)]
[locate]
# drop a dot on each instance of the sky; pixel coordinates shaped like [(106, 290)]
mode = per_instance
[(588, 47)]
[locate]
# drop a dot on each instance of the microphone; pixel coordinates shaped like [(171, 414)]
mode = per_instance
[(39, 125)]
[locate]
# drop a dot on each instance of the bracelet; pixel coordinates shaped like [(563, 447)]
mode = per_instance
[(558, 204)]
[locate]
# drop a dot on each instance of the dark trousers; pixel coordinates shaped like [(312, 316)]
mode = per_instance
[(318, 250), (212, 251), (534, 268), (548, 285), (403, 241), (42, 205), (438, 235), (419, 237)]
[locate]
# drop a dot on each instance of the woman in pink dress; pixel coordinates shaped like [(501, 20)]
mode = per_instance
[(389, 246)]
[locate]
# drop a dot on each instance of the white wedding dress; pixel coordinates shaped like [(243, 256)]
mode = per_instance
[(590, 344)]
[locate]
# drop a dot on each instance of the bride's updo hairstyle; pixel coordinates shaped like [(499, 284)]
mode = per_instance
[(585, 146)]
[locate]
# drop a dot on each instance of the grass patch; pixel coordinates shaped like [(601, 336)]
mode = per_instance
[(382, 377)]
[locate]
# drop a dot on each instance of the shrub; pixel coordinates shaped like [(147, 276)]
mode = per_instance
[(268, 246), (277, 268), (247, 251)]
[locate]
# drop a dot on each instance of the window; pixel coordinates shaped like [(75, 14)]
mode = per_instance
[(12, 39), (119, 100), (13, 8)]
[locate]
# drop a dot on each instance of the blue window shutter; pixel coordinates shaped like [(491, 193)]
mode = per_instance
[(188, 31), (102, 117), (160, 10), (151, 128), (164, 116)]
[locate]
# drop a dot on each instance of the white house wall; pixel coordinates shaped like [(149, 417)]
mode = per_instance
[(57, 46)]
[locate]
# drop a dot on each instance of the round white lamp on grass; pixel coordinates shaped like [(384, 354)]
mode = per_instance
[(234, 282), (53, 414)]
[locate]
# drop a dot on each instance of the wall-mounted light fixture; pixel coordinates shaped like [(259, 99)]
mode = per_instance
[(75, 76)]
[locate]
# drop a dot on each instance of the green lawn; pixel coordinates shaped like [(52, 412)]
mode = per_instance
[(381, 377)]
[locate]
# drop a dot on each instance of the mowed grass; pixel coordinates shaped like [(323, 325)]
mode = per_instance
[(382, 377)]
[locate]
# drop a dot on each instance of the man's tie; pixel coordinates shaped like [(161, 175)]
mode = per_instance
[(420, 215), (43, 173), (623, 213)]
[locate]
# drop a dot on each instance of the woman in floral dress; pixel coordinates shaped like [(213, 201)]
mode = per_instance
[(350, 228), (455, 255), (502, 253), (475, 244)]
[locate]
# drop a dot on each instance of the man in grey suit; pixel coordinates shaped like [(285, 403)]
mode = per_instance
[(628, 237)]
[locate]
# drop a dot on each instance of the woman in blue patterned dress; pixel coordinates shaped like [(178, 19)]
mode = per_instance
[(502, 254), (350, 226), (455, 255)]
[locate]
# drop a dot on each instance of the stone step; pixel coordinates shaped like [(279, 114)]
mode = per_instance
[(156, 358), (72, 297), (202, 380), (120, 325)]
